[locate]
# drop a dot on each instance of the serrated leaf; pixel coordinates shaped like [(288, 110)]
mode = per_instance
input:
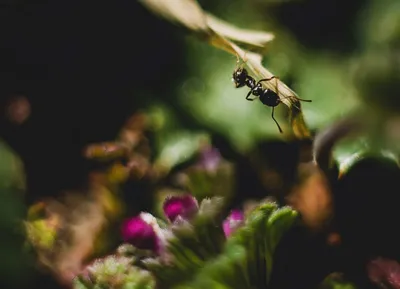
[(246, 261), (226, 271), (230, 268), (260, 235), (278, 224)]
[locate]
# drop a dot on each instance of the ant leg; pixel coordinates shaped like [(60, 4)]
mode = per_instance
[(248, 96), (277, 124), (295, 97), (286, 97), (268, 79), (302, 99)]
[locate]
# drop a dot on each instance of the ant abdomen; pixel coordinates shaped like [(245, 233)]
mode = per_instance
[(269, 98)]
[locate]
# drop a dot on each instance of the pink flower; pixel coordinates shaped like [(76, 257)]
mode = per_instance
[(184, 206), (209, 159), (140, 233), (233, 222), (384, 271)]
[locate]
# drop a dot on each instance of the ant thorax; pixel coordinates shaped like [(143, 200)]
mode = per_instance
[(250, 82), (257, 90)]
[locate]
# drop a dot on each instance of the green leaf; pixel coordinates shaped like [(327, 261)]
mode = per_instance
[(226, 271), (202, 183), (278, 224), (336, 281), (79, 284), (264, 228), (246, 261), (15, 267)]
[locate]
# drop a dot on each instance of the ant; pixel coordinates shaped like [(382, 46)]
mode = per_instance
[(267, 96)]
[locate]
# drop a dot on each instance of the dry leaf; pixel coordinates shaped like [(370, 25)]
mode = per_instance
[(189, 14), (105, 150), (184, 12), (313, 198), (246, 36), (78, 221)]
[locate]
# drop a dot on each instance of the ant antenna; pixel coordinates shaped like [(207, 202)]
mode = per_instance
[(240, 61)]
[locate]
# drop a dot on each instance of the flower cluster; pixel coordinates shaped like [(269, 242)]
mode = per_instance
[(144, 233), (195, 247)]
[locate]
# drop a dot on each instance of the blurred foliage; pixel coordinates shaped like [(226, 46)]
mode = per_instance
[(190, 246), (115, 271), (336, 281), (347, 64), (197, 255), (246, 261), (13, 266)]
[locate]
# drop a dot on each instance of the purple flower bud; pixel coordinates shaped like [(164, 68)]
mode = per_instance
[(184, 206), (381, 271), (233, 222), (210, 158), (140, 233)]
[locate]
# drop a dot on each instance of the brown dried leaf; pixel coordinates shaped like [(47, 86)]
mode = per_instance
[(105, 150), (189, 14), (246, 36), (313, 198), (79, 220), (184, 12)]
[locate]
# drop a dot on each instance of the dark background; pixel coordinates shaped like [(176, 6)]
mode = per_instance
[(86, 66)]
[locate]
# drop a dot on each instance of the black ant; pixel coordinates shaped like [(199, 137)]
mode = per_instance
[(267, 96)]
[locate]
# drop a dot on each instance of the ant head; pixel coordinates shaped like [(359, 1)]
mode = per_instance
[(240, 74), (239, 77)]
